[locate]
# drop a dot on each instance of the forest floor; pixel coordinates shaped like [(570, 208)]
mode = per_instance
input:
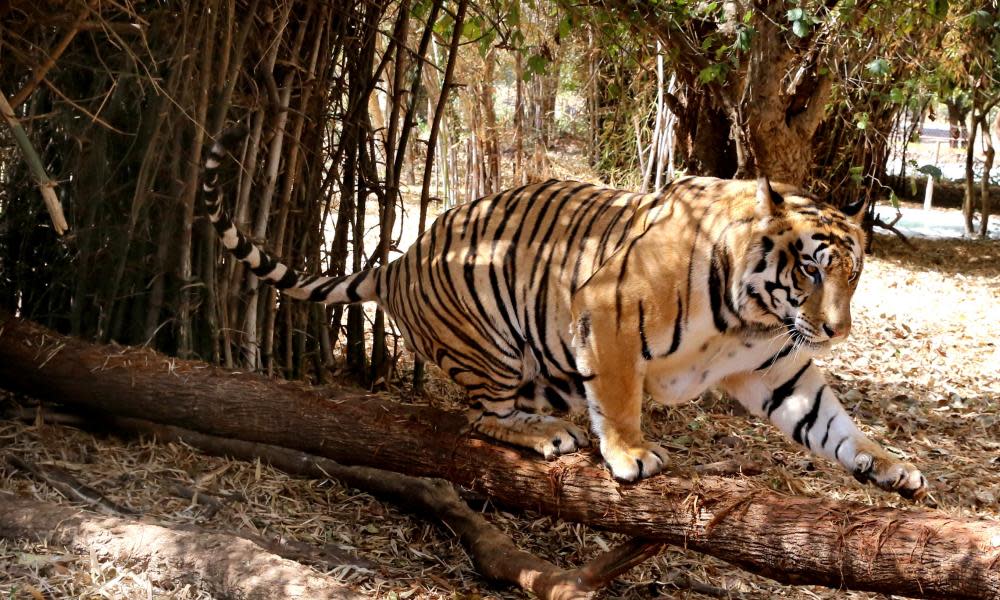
[(919, 373)]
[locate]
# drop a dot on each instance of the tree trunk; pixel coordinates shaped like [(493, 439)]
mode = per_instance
[(490, 144), (701, 133), (956, 122), (984, 184), (520, 173), (796, 540), (780, 117), (968, 202), (440, 108)]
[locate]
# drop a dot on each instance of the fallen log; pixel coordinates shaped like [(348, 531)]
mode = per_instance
[(227, 566), (917, 552), (493, 553)]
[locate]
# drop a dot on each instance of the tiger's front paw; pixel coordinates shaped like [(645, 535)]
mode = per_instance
[(554, 437), (890, 474), (632, 463)]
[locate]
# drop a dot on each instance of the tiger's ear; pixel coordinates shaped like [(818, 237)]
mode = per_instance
[(769, 202), (855, 210)]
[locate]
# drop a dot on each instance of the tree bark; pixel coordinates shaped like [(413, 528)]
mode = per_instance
[(226, 565), (919, 553), (968, 202), (957, 131), (984, 183)]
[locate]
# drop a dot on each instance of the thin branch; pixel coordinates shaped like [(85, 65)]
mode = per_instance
[(68, 486), (43, 69), (878, 222), (94, 118)]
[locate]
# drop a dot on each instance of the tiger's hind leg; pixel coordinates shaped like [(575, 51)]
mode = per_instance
[(511, 421)]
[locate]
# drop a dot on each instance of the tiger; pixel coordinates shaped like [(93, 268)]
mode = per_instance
[(562, 298)]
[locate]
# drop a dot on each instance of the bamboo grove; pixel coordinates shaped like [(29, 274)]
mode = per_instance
[(367, 117), (157, 81)]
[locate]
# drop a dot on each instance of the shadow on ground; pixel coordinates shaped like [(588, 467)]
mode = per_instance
[(949, 256)]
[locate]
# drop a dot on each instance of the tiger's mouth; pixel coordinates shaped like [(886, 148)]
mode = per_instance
[(803, 337), (804, 340)]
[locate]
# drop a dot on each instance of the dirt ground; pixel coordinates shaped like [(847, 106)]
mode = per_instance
[(920, 373)]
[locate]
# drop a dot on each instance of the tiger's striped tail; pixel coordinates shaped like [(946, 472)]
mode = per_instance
[(357, 287)]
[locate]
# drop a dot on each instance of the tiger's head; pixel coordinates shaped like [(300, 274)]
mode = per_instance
[(803, 265)]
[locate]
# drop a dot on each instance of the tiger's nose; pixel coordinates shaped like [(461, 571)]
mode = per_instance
[(836, 331)]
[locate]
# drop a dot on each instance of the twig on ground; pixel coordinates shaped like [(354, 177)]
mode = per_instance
[(210, 503), (493, 552), (37, 416), (328, 556), (683, 581), (730, 466), (878, 222), (68, 486)]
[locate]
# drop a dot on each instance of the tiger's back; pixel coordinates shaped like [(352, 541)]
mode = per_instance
[(486, 291)]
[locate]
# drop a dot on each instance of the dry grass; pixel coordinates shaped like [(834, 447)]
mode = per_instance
[(920, 373)]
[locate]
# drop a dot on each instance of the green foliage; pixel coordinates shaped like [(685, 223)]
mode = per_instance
[(931, 171), (716, 72), (861, 120), (893, 198), (744, 35), (476, 29), (879, 67), (535, 65), (981, 18), (802, 22), (566, 25), (937, 8), (857, 174)]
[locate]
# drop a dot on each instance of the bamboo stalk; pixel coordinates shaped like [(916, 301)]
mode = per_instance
[(207, 49), (45, 185)]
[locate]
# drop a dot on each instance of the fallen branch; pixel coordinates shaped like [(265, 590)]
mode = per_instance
[(683, 581), (916, 552), (210, 503), (492, 552), (68, 486), (226, 566), (878, 222)]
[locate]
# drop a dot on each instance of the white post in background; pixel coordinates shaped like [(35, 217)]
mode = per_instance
[(647, 167), (929, 190), (667, 145)]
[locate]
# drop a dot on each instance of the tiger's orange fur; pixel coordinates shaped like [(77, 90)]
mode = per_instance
[(566, 297)]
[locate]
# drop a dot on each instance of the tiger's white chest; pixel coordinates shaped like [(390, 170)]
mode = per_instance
[(677, 379)]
